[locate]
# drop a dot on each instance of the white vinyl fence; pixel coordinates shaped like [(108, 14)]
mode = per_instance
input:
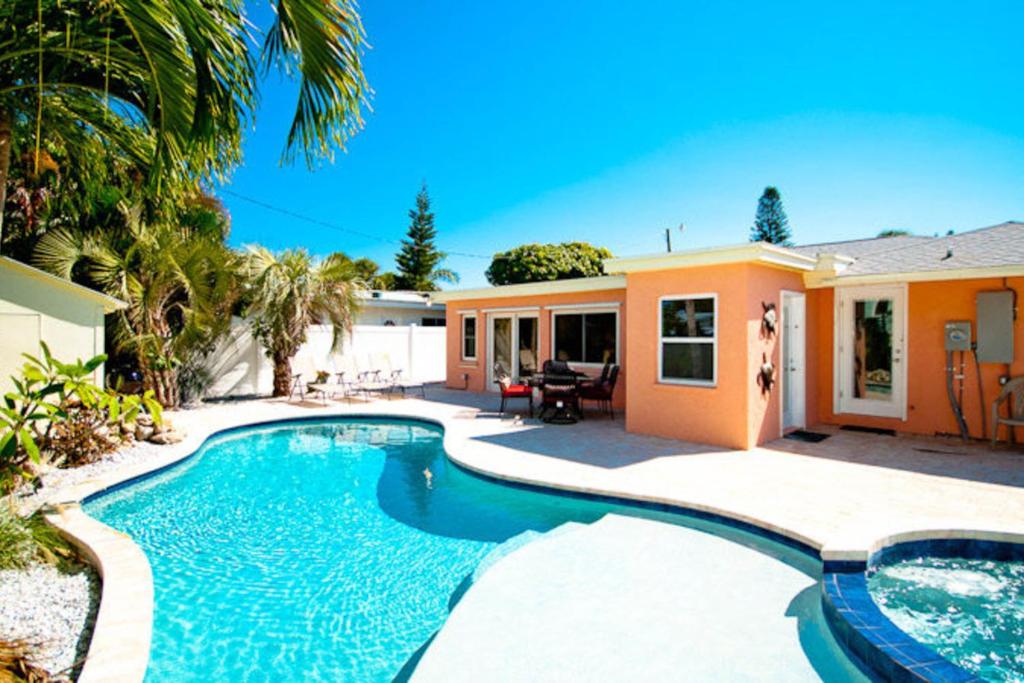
[(239, 367)]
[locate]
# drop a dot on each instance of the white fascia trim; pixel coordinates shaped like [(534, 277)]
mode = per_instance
[(812, 282), (758, 252), (512, 309), (566, 307), (583, 284)]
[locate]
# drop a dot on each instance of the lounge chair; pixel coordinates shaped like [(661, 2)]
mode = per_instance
[(510, 390)]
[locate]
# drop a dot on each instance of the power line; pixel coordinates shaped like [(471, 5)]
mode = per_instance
[(332, 226)]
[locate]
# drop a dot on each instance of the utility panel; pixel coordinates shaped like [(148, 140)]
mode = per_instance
[(958, 335), (995, 326)]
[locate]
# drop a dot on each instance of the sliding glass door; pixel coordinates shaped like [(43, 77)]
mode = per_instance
[(512, 345)]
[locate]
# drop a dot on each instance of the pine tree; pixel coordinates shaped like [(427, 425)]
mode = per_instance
[(419, 259), (770, 222)]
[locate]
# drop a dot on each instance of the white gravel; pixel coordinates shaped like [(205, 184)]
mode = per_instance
[(30, 497), (54, 609)]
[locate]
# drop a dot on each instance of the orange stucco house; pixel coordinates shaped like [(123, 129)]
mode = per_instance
[(865, 333)]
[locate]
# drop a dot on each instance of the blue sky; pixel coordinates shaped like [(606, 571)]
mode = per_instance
[(608, 122)]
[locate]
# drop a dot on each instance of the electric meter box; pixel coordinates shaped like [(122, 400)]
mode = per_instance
[(958, 335), (995, 326)]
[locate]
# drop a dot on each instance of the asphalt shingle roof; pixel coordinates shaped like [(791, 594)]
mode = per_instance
[(999, 245), (860, 248)]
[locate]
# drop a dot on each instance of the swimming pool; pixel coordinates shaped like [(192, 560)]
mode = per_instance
[(971, 611), (334, 550)]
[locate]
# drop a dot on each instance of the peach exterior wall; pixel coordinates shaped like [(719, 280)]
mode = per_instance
[(929, 306), (734, 413), (477, 370)]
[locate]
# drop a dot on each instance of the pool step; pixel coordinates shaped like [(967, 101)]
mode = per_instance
[(520, 540)]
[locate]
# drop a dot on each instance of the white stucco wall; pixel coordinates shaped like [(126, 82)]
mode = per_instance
[(34, 309)]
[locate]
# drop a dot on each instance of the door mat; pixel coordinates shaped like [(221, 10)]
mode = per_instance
[(807, 437), (869, 430)]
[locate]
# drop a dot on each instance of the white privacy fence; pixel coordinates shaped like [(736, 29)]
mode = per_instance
[(239, 367)]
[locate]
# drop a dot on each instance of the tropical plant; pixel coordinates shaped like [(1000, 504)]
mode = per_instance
[(179, 284), (770, 222), (419, 260), (543, 262), (17, 544), (174, 82), (290, 291), (48, 393), (894, 232)]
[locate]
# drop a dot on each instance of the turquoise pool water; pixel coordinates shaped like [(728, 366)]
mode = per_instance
[(334, 550), (969, 611)]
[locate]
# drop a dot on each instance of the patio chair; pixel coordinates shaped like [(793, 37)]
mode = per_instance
[(1013, 395), (402, 384), (340, 385), (602, 390), (510, 390), (559, 385)]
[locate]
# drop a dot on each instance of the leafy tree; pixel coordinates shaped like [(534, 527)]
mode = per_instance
[(290, 291), (419, 259), (894, 232), (174, 82), (770, 222), (542, 262), (180, 285)]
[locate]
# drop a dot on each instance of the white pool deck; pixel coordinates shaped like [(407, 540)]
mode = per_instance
[(634, 599), (845, 496)]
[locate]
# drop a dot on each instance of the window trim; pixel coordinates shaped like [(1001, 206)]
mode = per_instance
[(713, 340), (584, 309), (462, 337)]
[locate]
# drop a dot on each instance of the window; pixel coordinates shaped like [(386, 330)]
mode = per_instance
[(688, 339), (586, 337), (432, 322), (469, 337)]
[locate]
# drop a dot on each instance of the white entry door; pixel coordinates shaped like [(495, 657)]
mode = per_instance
[(870, 372), (794, 340)]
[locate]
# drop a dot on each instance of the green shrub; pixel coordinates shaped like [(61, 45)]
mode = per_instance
[(17, 544), (50, 393)]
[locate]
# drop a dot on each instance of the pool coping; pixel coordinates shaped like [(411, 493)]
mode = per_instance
[(120, 645)]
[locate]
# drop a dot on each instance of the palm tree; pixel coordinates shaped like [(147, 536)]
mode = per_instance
[(182, 73), (290, 291), (179, 284)]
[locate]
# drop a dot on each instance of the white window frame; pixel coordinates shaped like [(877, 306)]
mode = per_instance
[(584, 309), (713, 340), (462, 338)]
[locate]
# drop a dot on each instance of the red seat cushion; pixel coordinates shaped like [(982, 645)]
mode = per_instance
[(518, 390)]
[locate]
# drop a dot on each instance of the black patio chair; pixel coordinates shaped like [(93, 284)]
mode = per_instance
[(559, 392), (602, 390)]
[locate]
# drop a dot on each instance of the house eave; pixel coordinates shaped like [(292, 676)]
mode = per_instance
[(758, 252), (110, 304), (817, 280), (585, 284)]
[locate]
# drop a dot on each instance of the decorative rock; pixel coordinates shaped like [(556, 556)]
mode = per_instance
[(144, 432), (168, 437), (145, 419), (41, 604)]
